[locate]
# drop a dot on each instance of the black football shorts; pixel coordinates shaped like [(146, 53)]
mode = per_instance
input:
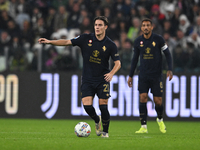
[(101, 89), (155, 84)]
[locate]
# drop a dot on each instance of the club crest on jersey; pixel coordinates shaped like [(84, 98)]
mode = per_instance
[(154, 44), (141, 44), (104, 48), (90, 43), (95, 53)]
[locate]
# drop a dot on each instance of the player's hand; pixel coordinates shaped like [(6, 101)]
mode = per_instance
[(108, 77), (130, 82), (169, 74), (43, 40)]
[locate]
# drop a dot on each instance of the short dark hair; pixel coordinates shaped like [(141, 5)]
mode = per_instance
[(103, 18), (147, 19)]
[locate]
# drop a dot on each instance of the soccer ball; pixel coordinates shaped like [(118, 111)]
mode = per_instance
[(82, 129)]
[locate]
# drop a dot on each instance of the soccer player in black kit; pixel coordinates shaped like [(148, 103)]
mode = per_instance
[(149, 47), (96, 50)]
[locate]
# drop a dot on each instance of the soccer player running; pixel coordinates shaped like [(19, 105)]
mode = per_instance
[(96, 50), (148, 47)]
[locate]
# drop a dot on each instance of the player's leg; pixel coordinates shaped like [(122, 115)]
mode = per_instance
[(103, 93), (87, 103), (105, 115), (157, 90), (143, 87), (87, 95), (159, 110), (158, 106), (143, 113)]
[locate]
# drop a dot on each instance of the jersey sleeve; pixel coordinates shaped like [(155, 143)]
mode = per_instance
[(114, 53), (77, 41), (163, 44), (166, 51), (134, 61)]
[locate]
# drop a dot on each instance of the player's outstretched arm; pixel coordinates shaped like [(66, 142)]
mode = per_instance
[(60, 42), (117, 66)]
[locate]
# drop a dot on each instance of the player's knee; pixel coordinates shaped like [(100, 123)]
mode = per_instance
[(87, 101), (103, 101), (158, 101), (143, 97)]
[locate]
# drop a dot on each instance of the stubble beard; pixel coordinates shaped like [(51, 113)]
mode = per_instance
[(147, 33)]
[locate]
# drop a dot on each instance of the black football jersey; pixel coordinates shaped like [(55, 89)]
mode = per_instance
[(96, 55), (150, 53)]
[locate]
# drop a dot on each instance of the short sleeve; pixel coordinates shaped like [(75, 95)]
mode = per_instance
[(114, 53), (77, 41)]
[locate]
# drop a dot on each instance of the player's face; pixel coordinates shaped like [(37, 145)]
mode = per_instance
[(99, 27), (146, 27)]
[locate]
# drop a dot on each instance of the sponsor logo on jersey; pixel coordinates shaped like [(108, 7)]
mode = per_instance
[(90, 43), (141, 44)]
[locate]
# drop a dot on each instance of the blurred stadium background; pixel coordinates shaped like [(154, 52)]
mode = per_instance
[(42, 81)]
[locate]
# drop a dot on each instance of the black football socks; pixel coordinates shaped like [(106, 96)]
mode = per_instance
[(91, 112), (143, 113), (159, 110), (105, 117)]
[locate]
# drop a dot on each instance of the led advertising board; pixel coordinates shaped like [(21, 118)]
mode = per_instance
[(57, 96)]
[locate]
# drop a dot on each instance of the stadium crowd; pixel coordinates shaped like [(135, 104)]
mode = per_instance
[(23, 22)]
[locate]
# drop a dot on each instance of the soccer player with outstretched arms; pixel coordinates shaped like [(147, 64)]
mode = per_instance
[(96, 50)]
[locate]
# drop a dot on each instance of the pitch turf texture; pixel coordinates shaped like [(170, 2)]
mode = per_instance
[(27, 134)]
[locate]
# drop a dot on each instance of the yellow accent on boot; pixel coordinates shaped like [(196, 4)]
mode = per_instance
[(162, 126), (98, 127), (142, 130)]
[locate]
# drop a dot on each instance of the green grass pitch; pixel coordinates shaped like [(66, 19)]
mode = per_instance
[(36, 134)]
